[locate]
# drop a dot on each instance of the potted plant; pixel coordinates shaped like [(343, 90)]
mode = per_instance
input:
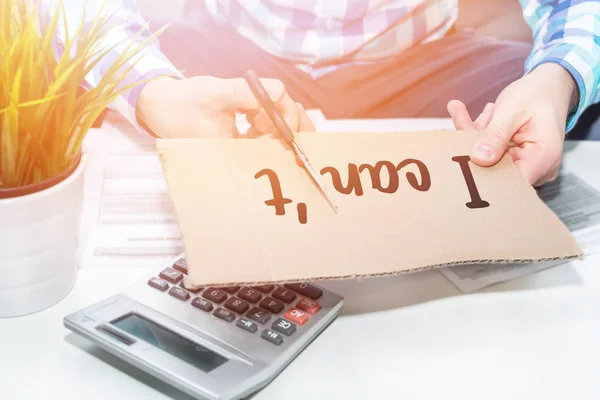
[(46, 109)]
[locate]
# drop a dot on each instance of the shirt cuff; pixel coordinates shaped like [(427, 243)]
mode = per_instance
[(580, 70), (126, 103)]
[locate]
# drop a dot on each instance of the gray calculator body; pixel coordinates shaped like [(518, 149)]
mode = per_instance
[(193, 350)]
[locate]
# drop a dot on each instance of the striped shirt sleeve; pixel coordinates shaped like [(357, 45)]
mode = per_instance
[(566, 32), (126, 23)]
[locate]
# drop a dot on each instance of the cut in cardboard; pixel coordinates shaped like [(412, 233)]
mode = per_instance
[(405, 202)]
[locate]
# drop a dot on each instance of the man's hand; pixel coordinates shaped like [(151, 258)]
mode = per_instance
[(528, 120), (205, 106)]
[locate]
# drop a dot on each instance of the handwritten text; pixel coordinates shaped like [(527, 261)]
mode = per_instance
[(382, 169)]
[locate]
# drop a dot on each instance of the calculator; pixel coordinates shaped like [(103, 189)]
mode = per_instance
[(209, 342)]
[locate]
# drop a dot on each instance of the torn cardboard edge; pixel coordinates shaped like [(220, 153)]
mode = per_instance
[(232, 237), (396, 273)]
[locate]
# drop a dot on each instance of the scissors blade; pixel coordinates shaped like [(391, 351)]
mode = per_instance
[(313, 174)]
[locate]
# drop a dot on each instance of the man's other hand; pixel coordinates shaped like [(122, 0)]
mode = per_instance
[(206, 107), (528, 120)]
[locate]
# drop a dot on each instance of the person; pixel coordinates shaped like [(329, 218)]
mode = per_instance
[(165, 103), (372, 59)]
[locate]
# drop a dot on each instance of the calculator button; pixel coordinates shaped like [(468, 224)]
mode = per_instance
[(272, 305), (179, 293), (250, 295), (181, 265), (258, 315), (158, 284), (216, 295), (284, 295), (305, 289), (237, 305), (247, 325), (266, 289), (308, 305), (171, 275), (190, 288), (296, 316), (224, 314), (231, 289), (283, 326), (202, 304), (272, 336)]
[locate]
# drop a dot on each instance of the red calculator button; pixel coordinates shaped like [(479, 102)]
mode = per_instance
[(308, 305), (296, 316)]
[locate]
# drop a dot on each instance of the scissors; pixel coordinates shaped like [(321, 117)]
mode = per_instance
[(265, 101)]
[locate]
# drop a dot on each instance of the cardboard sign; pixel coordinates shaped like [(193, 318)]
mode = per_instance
[(406, 202)]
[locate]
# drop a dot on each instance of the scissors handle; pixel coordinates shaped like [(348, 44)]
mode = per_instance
[(265, 101)]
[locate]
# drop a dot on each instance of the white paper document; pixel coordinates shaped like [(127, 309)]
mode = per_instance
[(575, 202), (129, 220)]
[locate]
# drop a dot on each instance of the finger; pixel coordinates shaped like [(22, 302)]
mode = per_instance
[(485, 117), (251, 115), (546, 179), (236, 94), (550, 174), (529, 170), (266, 137), (531, 162), (289, 111), (306, 124), (263, 123), (460, 116), (513, 151), (294, 115), (493, 142), (254, 133)]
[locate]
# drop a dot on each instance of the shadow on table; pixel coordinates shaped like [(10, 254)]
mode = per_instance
[(560, 275), (588, 125), (369, 295), (571, 145)]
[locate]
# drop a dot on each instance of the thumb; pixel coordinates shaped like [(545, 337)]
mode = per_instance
[(493, 142), (235, 93)]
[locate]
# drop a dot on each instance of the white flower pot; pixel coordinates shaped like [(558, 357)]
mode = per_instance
[(39, 242)]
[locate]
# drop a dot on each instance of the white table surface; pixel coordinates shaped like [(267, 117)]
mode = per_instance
[(405, 337)]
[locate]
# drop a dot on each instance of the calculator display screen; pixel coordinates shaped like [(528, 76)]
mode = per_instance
[(170, 342)]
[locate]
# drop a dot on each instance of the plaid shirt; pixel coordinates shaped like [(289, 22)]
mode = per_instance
[(320, 33), (567, 32)]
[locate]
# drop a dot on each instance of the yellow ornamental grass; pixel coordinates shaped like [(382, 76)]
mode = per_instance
[(44, 110)]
